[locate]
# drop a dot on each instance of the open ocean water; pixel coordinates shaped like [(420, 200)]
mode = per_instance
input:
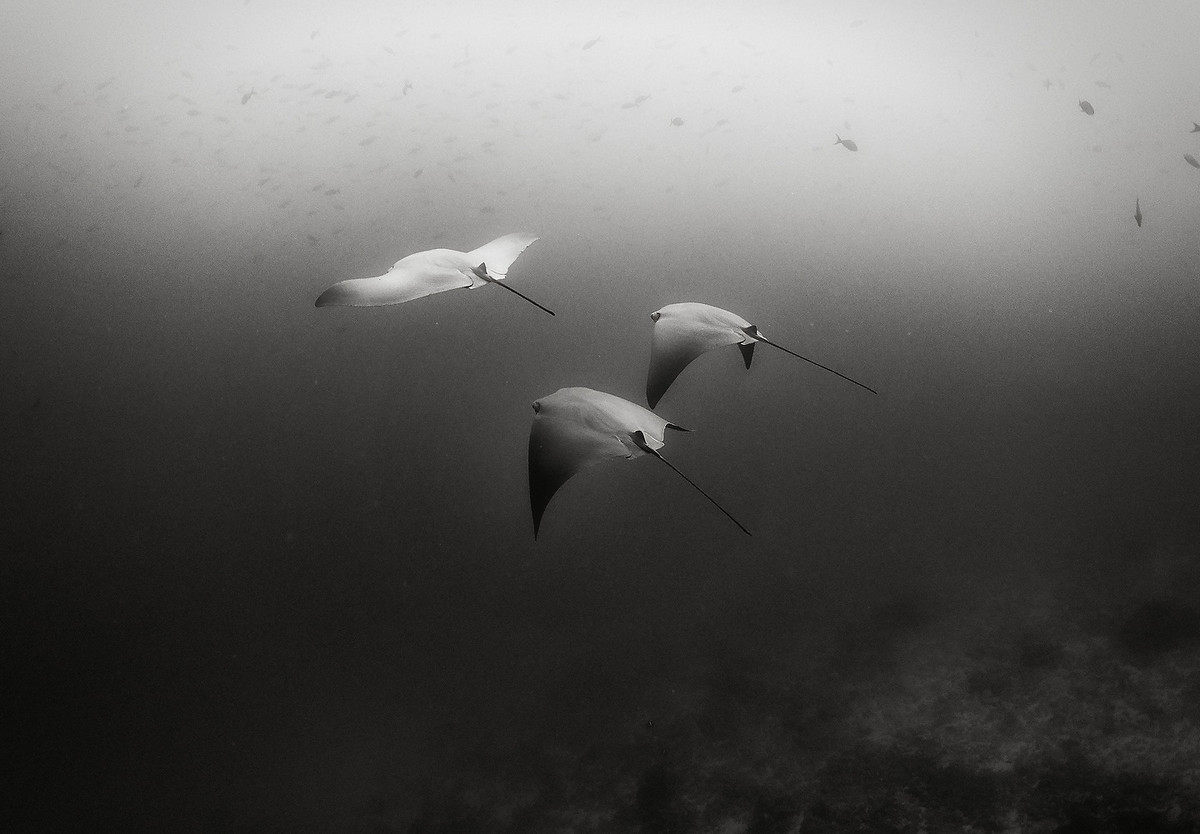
[(269, 567)]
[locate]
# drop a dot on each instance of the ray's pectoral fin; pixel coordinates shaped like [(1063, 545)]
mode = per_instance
[(640, 439), (555, 455), (482, 273)]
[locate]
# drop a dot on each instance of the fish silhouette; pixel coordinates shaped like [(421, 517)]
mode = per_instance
[(433, 271), (1086, 107), (688, 329), (848, 144), (1191, 160), (575, 428), (1137, 211)]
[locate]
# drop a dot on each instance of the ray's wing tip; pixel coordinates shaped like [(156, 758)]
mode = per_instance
[(524, 240), (538, 508), (657, 385), (334, 295)]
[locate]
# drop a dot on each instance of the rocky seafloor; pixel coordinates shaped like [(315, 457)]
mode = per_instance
[(1040, 711)]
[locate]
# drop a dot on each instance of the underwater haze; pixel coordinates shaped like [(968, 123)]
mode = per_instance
[(271, 567)]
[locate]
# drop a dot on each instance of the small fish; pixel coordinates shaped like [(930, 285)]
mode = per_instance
[(407, 87), (677, 122), (1195, 127), (1137, 211), (246, 97), (417, 173), (367, 141), (1104, 84), (1191, 160), (591, 43), (1086, 107), (848, 144)]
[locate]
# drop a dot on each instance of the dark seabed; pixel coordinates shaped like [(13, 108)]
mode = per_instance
[(271, 567)]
